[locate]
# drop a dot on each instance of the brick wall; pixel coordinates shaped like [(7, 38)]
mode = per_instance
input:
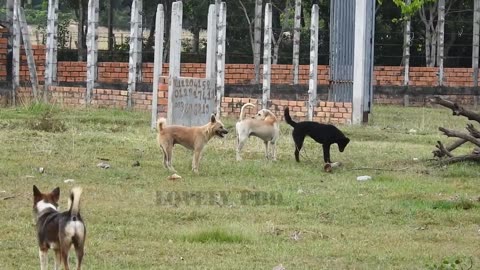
[(3, 53), (238, 74), (235, 74), (39, 56), (241, 76), (326, 112)]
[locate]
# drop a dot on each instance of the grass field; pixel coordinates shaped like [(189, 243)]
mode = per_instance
[(413, 214)]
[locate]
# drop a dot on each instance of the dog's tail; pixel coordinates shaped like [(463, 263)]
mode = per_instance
[(161, 123), (288, 119), (74, 202), (243, 108)]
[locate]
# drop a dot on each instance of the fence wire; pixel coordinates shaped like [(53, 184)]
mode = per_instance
[(388, 47)]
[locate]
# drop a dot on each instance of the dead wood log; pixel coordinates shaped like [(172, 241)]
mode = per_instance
[(473, 135), (473, 131), (439, 153), (456, 109), (442, 150), (472, 157), (465, 136)]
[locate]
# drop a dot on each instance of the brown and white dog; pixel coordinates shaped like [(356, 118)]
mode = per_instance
[(59, 230), (193, 138), (265, 126)]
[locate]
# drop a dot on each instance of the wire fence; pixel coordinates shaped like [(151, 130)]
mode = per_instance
[(388, 48)]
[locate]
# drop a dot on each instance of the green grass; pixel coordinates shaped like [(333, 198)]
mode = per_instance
[(411, 215)]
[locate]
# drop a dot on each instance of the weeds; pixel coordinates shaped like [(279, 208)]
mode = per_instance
[(47, 122)]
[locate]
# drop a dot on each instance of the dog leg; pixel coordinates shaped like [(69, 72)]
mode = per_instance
[(43, 254), (326, 153), (274, 150), (196, 160), (79, 251), (241, 143), (168, 153), (58, 260), (64, 248), (165, 158), (298, 146), (267, 154)]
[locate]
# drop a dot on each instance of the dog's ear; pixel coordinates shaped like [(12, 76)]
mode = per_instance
[(56, 194), (213, 119), (36, 192)]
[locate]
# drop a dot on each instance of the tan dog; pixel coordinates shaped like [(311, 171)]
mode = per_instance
[(265, 127), (193, 138)]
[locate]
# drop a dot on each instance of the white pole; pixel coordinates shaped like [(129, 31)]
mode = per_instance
[(312, 82), (296, 40), (175, 53), (132, 63), (221, 34), (55, 42), (211, 42), (50, 50), (358, 61), (441, 38), (257, 39), (267, 55), (406, 49), (139, 44), (28, 51), (16, 51), (476, 40), (157, 66), (97, 22), (91, 49)]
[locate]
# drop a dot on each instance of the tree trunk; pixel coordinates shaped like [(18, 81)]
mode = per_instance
[(296, 40), (428, 44), (110, 26), (430, 33), (167, 5), (151, 36), (10, 20), (275, 53), (433, 49), (80, 31), (195, 40)]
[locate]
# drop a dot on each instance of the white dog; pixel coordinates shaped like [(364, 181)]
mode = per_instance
[(265, 127)]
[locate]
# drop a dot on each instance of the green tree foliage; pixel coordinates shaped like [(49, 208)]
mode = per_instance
[(412, 8)]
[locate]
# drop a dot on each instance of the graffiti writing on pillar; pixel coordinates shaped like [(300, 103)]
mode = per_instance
[(193, 100)]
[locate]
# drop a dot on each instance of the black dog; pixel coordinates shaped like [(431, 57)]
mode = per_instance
[(321, 133)]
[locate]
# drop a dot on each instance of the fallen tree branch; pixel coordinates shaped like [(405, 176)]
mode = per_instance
[(473, 131), (456, 109), (473, 157), (453, 133), (453, 146), (443, 150), (378, 169)]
